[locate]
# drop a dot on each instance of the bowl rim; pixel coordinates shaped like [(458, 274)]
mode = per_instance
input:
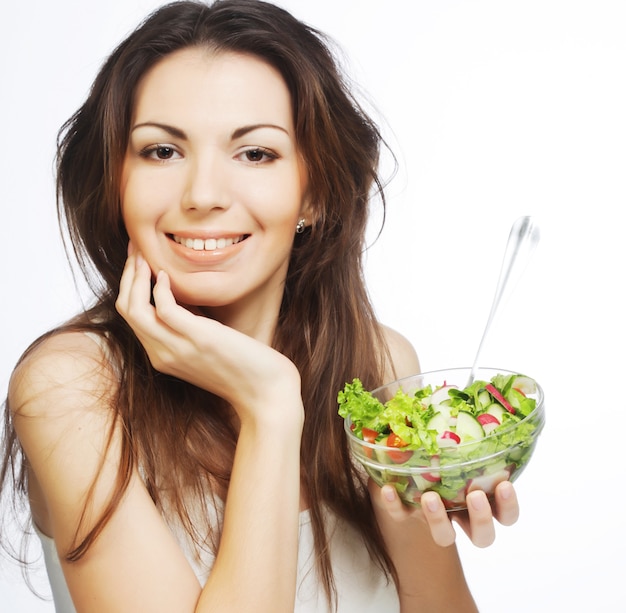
[(411, 469), (538, 411)]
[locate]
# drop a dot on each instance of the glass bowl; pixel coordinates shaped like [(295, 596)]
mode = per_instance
[(455, 469)]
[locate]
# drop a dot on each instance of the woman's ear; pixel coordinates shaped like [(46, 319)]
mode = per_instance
[(308, 211)]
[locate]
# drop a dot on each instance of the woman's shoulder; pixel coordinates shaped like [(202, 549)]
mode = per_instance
[(60, 364), (402, 354)]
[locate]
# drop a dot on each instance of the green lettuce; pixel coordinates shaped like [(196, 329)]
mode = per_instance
[(407, 416)]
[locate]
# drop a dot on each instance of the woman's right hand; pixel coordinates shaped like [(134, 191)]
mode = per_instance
[(263, 387), (202, 351)]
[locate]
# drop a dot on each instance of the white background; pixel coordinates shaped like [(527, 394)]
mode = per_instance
[(495, 109)]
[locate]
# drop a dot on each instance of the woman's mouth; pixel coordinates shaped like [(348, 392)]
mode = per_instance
[(208, 244)]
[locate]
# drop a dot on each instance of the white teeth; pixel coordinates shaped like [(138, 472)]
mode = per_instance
[(210, 244)]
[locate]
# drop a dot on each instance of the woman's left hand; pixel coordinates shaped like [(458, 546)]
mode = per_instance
[(478, 521), (421, 543)]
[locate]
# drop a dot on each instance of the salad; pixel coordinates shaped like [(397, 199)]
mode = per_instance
[(446, 439)]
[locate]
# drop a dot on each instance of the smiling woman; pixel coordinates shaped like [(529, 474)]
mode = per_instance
[(213, 183), (179, 443)]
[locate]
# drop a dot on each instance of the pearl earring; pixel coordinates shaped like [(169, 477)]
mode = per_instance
[(300, 226)]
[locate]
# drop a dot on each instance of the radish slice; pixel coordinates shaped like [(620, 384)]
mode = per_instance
[(441, 394), (488, 421), (526, 385), (449, 438)]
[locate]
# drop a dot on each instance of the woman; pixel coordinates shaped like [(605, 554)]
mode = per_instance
[(179, 442)]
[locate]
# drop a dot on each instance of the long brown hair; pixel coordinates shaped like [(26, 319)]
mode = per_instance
[(326, 322)]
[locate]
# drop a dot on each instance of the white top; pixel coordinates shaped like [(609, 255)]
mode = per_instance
[(361, 585)]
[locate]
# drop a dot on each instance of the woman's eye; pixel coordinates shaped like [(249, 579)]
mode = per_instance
[(159, 152), (258, 155), (164, 153)]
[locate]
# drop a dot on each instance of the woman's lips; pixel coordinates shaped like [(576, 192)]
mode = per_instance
[(207, 244)]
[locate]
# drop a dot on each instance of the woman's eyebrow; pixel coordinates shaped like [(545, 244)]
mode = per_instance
[(239, 132), (175, 132), (178, 133)]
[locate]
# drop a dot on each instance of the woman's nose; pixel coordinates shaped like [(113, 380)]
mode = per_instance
[(207, 184)]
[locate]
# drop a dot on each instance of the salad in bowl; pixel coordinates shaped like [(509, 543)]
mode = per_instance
[(433, 432)]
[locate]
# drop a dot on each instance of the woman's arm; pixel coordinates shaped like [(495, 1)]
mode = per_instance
[(61, 396), (421, 541), (256, 565)]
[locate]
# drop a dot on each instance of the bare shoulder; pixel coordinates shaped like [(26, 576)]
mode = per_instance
[(56, 372), (404, 360), (60, 397), (60, 401)]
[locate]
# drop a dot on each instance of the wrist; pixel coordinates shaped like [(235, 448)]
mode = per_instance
[(278, 418), (274, 404)]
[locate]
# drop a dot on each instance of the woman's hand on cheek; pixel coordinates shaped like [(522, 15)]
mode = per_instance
[(477, 522), (199, 350)]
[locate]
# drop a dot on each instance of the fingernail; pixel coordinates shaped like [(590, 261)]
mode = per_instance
[(138, 260), (389, 493), (506, 490), (478, 502), (432, 503)]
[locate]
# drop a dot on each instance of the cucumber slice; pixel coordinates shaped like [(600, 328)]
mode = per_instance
[(516, 399), (468, 427), (497, 410), (442, 408), (496, 467), (484, 400), (379, 452), (422, 484), (438, 422)]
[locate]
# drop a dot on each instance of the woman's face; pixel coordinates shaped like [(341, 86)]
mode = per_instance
[(213, 184)]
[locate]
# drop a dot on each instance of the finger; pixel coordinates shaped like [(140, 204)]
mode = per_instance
[(167, 309), (133, 302), (386, 498), (179, 320), (140, 291), (482, 531), (126, 282), (506, 504), (435, 514)]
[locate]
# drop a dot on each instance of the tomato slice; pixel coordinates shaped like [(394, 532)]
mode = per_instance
[(369, 436), (399, 457)]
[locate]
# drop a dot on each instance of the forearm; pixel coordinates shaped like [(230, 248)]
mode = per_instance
[(255, 569), (430, 577)]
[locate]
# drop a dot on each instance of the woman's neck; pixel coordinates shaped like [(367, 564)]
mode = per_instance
[(254, 319)]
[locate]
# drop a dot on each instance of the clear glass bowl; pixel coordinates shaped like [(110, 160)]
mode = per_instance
[(455, 470)]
